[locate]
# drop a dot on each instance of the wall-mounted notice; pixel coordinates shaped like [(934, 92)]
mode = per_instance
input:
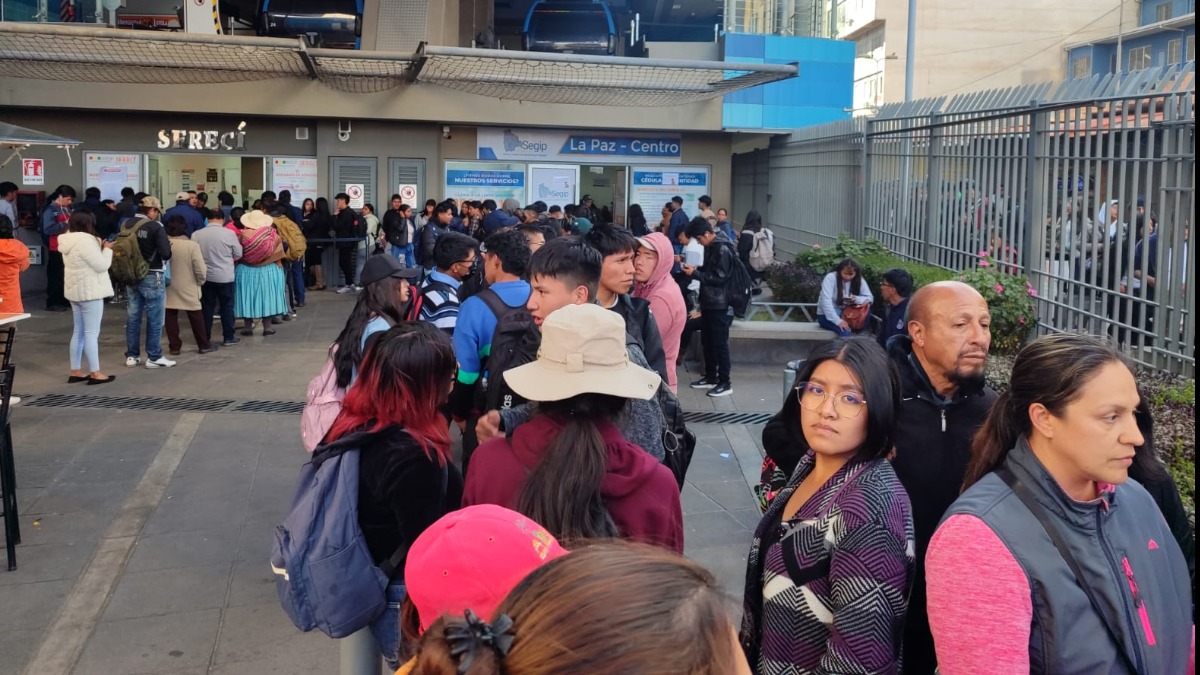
[(653, 186), (297, 175), (553, 184), (485, 180), (111, 172)]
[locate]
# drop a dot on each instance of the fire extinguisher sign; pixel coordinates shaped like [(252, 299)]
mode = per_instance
[(33, 172)]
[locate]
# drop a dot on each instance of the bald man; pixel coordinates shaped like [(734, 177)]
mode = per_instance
[(945, 400)]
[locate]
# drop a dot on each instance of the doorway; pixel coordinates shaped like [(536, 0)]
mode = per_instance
[(243, 177), (606, 186)]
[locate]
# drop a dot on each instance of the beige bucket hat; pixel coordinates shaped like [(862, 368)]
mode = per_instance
[(253, 220), (583, 352)]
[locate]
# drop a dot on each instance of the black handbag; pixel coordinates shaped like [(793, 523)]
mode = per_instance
[(678, 441)]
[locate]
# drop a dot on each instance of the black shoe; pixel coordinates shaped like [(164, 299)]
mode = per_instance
[(721, 390), (231, 342), (268, 331), (74, 379), (703, 383), (287, 317), (276, 320), (96, 380), (209, 350)]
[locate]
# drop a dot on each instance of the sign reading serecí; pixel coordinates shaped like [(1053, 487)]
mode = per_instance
[(497, 143), (193, 139)]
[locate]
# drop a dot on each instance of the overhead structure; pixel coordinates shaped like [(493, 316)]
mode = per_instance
[(15, 140), (84, 53)]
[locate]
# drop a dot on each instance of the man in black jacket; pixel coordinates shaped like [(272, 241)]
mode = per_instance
[(439, 224), (348, 229), (618, 246), (148, 298), (716, 316), (397, 229)]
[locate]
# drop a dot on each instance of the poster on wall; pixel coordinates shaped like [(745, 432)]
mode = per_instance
[(111, 172), (654, 186), (585, 147), (485, 180), (297, 174), (553, 184)]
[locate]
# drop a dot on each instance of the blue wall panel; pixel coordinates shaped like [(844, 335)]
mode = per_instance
[(823, 91)]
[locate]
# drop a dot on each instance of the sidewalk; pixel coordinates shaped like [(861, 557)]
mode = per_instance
[(147, 520)]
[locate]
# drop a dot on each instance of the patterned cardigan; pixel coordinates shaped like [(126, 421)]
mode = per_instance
[(830, 595)]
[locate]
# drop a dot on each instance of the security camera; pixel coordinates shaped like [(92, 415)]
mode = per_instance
[(445, 131), (344, 131)]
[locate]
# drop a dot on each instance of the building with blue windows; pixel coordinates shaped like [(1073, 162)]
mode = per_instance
[(1165, 34)]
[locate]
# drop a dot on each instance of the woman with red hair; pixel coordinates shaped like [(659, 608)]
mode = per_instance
[(406, 478)]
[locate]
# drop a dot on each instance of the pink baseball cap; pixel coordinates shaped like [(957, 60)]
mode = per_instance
[(472, 558)]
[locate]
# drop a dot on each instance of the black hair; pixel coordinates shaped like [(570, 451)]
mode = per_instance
[(321, 208), (540, 206), (91, 193), (880, 383), (176, 226), (138, 197), (444, 207), (224, 198), (82, 221), (64, 191), (549, 229), (268, 196), (378, 299), (202, 197), (570, 260), (126, 193), (677, 199), (705, 200), (489, 204), (214, 214), (855, 285), (635, 212), (531, 227), (285, 196), (753, 222), (342, 196), (369, 206), (510, 247), (901, 281), (450, 248), (555, 208), (235, 215), (6, 227), (609, 240), (394, 197), (698, 227), (562, 493)]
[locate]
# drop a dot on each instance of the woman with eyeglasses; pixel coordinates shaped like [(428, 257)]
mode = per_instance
[(832, 560)]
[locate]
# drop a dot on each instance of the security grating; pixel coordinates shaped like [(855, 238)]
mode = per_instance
[(270, 407), (127, 403), (727, 417)]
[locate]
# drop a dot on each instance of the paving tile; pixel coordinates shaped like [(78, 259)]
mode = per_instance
[(183, 549), (729, 494), (717, 527), (263, 631), (168, 591), (727, 563), (17, 646), (287, 663), (45, 562), (748, 517), (168, 643), (31, 606), (253, 583), (694, 501), (97, 498), (117, 470), (179, 515), (61, 528)]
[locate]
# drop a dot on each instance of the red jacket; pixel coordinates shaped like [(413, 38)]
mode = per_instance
[(641, 494)]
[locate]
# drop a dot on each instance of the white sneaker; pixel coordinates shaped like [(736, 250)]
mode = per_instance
[(132, 361), (13, 400), (160, 362), (345, 290)]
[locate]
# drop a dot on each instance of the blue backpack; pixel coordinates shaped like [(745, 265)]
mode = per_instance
[(325, 576)]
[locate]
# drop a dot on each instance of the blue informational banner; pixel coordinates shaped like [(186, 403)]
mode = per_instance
[(591, 147), (651, 186), (485, 180)]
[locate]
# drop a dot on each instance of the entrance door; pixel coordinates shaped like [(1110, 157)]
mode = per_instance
[(404, 172), (554, 184), (345, 171)]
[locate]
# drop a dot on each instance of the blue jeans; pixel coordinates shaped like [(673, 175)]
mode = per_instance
[(829, 325), (148, 298), (86, 338), (386, 628), (405, 255), (295, 280)]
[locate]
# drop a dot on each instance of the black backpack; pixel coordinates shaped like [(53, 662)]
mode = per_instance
[(741, 286), (514, 343)]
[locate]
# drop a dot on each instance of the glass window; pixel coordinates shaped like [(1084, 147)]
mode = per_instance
[(1174, 51), (1162, 12), (1189, 53), (1139, 58), (1081, 67)]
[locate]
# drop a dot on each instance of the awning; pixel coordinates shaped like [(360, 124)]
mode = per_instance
[(92, 54), (18, 139)]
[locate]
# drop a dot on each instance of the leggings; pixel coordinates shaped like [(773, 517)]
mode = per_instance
[(85, 340)]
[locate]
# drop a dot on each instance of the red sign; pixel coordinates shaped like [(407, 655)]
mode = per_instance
[(33, 172)]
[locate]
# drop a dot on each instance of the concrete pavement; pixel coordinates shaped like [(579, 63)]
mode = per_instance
[(147, 505)]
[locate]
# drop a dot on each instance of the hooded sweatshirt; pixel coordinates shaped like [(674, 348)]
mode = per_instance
[(666, 302), (14, 259), (85, 267), (641, 495)]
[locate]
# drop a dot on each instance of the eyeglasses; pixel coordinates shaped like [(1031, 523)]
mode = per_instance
[(812, 397)]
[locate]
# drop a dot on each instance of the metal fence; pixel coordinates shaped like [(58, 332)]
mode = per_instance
[(1087, 187)]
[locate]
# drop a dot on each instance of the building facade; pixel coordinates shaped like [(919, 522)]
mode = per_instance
[(1161, 33)]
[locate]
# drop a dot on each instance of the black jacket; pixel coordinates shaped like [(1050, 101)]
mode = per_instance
[(347, 225), (933, 446), (395, 228), (400, 488), (640, 325), (430, 234), (893, 323), (152, 242), (714, 275)]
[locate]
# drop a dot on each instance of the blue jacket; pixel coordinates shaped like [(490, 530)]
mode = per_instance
[(497, 220), (1121, 542), (190, 215)]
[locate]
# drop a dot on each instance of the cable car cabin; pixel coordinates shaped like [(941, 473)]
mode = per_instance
[(333, 24), (579, 27)]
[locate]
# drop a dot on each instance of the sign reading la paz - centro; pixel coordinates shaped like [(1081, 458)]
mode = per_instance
[(584, 147), (208, 139)]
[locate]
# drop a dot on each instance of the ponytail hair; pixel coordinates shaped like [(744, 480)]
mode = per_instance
[(563, 490), (1052, 370)]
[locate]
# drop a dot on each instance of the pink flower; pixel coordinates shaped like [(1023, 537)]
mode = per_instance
[(984, 263), (984, 254), (1021, 321), (816, 246), (1032, 292), (999, 288)]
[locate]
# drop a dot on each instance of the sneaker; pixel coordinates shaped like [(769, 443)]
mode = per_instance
[(346, 290), (231, 342), (721, 390), (703, 383), (160, 362), (132, 361)]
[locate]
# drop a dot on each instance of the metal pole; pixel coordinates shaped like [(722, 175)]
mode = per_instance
[(359, 655), (910, 51), (1120, 41), (906, 190)]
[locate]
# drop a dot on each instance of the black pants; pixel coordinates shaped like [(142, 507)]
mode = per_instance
[(714, 335), (685, 341), (54, 280), (347, 259), (214, 296)]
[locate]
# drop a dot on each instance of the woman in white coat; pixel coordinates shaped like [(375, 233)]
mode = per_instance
[(86, 260)]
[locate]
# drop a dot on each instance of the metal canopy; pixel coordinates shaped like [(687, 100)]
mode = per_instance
[(92, 54), (17, 139)]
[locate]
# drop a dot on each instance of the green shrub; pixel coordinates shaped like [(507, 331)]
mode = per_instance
[(1010, 299), (793, 282)]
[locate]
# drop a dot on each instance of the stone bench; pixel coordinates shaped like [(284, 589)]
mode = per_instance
[(774, 343)]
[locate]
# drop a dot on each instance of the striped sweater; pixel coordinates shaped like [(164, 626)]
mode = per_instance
[(827, 590), (439, 303)]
